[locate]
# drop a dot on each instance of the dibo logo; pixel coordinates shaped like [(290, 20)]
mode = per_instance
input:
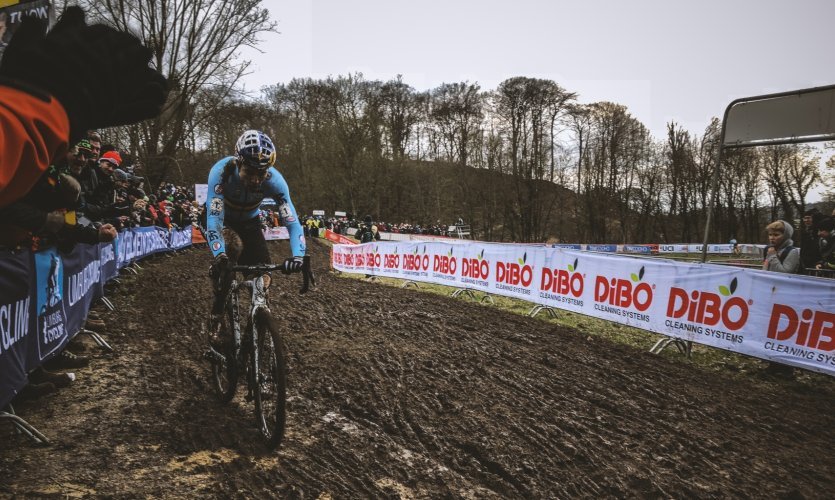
[(478, 268), (391, 260), (708, 308), (623, 293), (515, 273), (562, 282), (815, 329), (415, 261), (445, 264)]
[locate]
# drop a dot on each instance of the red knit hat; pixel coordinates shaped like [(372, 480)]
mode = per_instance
[(113, 157)]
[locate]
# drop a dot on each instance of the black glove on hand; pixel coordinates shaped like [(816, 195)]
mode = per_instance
[(293, 265), (66, 63)]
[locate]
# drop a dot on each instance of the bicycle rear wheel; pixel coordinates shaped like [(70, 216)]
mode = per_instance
[(271, 387), (225, 372)]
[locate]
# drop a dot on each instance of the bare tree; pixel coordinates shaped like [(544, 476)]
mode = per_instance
[(196, 43)]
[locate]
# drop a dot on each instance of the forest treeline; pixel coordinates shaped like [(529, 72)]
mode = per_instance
[(525, 161)]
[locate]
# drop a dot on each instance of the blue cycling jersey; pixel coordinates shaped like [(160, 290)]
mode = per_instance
[(231, 200)]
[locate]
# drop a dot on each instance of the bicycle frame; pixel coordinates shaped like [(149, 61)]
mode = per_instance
[(265, 388), (258, 297)]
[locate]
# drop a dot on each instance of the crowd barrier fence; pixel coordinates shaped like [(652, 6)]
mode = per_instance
[(45, 296), (788, 319)]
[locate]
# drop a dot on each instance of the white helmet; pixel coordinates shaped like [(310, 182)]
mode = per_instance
[(255, 149)]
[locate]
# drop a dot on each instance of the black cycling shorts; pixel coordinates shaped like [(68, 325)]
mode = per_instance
[(254, 245)]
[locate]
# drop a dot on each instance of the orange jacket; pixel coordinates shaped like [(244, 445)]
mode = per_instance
[(33, 133)]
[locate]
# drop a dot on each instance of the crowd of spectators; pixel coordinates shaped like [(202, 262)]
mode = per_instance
[(340, 225), (95, 186), (87, 196)]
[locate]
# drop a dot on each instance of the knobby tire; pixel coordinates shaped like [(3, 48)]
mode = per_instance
[(225, 375), (271, 392)]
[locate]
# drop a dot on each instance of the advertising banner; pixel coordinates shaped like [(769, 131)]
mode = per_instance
[(140, 242), (179, 238), (338, 238), (45, 296), (12, 12), (51, 315), (82, 285), (786, 318), (602, 248), (17, 323), (276, 233), (201, 193)]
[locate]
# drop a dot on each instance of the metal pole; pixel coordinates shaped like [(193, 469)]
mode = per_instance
[(715, 186)]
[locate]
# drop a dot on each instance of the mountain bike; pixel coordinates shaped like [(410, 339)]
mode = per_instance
[(255, 350)]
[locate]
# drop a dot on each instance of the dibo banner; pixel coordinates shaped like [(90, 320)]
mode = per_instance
[(785, 318)]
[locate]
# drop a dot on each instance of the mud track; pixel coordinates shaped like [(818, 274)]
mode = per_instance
[(398, 393)]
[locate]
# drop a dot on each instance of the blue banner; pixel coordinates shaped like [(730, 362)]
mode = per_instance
[(639, 249), (567, 246), (45, 297), (137, 243), (602, 248), (17, 323), (51, 315), (180, 238)]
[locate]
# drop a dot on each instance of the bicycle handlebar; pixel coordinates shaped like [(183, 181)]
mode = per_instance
[(307, 273)]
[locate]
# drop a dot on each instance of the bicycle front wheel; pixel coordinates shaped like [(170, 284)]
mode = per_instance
[(271, 384), (225, 372)]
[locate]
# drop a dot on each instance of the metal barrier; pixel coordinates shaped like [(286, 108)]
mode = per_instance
[(820, 273)]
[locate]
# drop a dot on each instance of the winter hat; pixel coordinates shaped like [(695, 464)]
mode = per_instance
[(827, 224), (114, 158), (120, 175)]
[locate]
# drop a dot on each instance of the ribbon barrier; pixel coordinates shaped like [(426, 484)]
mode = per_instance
[(45, 296), (338, 238), (789, 319)]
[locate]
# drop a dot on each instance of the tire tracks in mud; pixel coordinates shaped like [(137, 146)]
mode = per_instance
[(399, 393)]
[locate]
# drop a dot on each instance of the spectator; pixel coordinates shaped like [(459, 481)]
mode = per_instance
[(809, 250), (826, 244), (782, 257), (368, 232), (42, 111)]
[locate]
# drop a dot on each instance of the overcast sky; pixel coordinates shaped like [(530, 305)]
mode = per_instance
[(664, 59)]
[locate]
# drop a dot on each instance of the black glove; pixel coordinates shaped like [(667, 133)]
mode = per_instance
[(218, 269), (66, 63), (293, 265)]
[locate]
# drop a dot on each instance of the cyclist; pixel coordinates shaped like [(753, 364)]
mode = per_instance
[(237, 185)]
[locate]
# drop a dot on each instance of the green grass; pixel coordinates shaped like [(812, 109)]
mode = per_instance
[(704, 357)]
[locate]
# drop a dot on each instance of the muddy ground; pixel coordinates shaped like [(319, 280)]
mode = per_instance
[(399, 393)]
